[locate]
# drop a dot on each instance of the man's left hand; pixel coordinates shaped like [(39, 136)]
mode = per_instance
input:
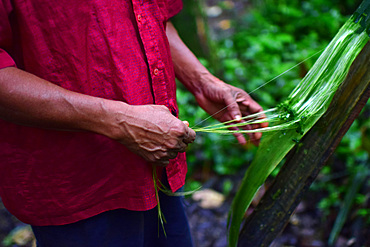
[(225, 102)]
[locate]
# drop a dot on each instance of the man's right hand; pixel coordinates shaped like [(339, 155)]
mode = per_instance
[(152, 132)]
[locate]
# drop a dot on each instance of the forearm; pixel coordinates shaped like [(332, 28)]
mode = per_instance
[(150, 131), (29, 100), (188, 69), (219, 99)]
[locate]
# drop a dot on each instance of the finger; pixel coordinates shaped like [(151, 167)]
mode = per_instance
[(163, 163), (250, 135), (253, 137), (189, 136), (239, 136), (232, 107), (253, 106), (257, 136), (171, 155), (181, 147), (265, 124), (247, 108)]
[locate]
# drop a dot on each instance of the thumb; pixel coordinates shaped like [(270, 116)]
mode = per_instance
[(190, 136)]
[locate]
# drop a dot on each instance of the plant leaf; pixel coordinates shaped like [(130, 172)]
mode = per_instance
[(308, 102)]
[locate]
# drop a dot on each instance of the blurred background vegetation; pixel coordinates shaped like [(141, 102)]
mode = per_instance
[(247, 43)]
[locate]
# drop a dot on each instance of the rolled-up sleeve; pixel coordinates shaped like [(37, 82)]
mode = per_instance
[(5, 34), (174, 7), (6, 60)]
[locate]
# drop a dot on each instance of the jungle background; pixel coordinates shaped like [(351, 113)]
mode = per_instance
[(247, 43)]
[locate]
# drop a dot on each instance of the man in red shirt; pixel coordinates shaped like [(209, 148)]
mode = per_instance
[(88, 106)]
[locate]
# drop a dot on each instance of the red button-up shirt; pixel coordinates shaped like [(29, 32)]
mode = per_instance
[(114, 49)]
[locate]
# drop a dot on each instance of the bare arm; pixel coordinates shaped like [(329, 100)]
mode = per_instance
[(150, 131), (29, 100), (211, 93)]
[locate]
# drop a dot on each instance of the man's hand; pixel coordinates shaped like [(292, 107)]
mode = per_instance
[(225, 102), (152, 132), (211, 93)]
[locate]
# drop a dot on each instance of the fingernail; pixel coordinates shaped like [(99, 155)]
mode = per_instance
[(186, 123), (238, 118)]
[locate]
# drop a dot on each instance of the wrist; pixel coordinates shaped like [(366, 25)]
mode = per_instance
[(111, 119), (196, 80)]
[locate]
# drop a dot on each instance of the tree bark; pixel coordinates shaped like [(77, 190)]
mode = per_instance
[(305, 161)]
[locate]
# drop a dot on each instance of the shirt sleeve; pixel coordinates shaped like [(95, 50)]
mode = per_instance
[(174, 7), (5, 35)]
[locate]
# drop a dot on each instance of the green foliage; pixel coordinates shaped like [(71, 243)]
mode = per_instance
[(271, 37), (307, 102), (20, 236), (267, 41)]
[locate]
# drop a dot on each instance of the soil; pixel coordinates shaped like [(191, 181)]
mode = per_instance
[(307, 227)]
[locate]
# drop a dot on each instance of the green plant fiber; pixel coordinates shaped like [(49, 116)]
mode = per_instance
[(305, 105)]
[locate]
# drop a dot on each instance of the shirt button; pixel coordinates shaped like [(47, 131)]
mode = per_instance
[(155, 71), (139, 18)]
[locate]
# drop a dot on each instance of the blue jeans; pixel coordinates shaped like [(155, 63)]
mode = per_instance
[(122, 228)]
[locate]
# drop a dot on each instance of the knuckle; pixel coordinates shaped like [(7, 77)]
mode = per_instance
[(183, 146), (226, 91), (152, 159), (173, 155), (179, 129), (158, 156), (171, 144)]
